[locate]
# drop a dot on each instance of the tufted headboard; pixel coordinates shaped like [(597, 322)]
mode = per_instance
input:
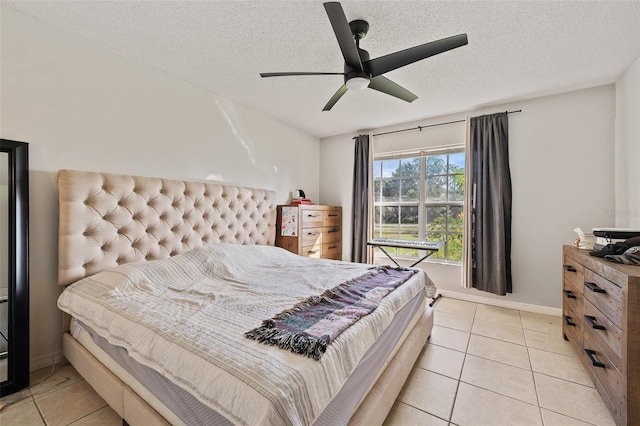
[(107, 219)]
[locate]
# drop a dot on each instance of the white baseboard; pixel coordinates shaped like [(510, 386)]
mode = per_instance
[(45, 361), (547, 310)]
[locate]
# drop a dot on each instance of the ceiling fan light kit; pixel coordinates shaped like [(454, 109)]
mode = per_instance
[(360, 71), (357, 83)]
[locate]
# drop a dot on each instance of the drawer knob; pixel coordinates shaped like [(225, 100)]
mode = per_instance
[(569, 268), (594, 287), (594, 323), (569, 294), (567, 320), (592, 357)]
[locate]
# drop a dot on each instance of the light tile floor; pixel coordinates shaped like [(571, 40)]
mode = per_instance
[(486, 365), (483, 365)]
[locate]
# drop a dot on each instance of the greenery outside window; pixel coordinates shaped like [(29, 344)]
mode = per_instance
[(420, 197)]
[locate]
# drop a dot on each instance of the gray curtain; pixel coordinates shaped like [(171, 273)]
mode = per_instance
[(360, 206), (491, 213)]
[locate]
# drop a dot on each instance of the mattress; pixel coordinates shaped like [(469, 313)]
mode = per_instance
[(202, 350), (180, 408)]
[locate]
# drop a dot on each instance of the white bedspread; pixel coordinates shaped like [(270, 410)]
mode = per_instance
[(186, 317)]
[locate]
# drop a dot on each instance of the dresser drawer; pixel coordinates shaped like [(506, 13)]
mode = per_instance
[(331, 234), (572, 297), (572, 275), (572, 325), (608, 379), (332, 218), (604, 332), (311, 236), (311, 218), (312, 251), (332, 251), (604, 295)]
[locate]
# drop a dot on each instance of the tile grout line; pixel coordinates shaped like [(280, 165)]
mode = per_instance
[(466, 349), (533, 376), (40, 413), (86, 415)]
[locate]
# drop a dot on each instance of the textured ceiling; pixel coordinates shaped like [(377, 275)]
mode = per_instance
[(516, 50)]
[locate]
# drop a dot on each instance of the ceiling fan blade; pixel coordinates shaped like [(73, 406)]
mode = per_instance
[(343, 34), (285, 74), (335, 98), (399, 59), (384, 85)]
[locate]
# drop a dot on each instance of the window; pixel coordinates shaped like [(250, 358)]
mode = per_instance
[(420, 197)]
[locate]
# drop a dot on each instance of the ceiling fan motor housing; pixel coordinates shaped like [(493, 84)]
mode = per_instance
[(359, 28), (351, 72)]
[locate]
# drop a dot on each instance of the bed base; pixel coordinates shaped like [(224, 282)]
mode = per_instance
[(135, 411)]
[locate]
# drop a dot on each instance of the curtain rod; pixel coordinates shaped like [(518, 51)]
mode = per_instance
[(430, 125)]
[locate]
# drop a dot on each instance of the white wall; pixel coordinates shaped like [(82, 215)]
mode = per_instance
[(82, 107), (627, 174), (561, 157)]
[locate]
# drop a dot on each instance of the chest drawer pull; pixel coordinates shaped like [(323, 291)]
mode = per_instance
[(332, 215), (569, 268), (567, 320), (593, 322), (592, 357), (312, 233), (594, 287), (569, 294)]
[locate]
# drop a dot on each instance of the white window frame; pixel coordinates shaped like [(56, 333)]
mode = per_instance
[(422, 202)]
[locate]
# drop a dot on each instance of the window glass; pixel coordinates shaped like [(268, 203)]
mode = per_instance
[(389, 167), (410, 189), (390, 217), (377, 169), (456, 187), (454, 247), (436, 165), (454, 222), (436, 188), (391, 190), (410, 167), (431, 209), (436, 218), (456, 163)]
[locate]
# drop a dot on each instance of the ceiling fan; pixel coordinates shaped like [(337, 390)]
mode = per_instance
[(361, 72)]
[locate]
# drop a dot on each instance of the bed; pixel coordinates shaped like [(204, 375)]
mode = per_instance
[(122, 238)]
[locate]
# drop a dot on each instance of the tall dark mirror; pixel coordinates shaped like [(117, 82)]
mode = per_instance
[(14, 266)]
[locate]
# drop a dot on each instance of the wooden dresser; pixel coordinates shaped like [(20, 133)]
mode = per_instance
[(601, 309), (310, 230)]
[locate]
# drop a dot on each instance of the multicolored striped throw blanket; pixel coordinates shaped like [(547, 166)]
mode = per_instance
[(309, 326)]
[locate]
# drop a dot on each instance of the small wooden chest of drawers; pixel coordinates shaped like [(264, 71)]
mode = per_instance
[(601, 310), (310, 230)]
